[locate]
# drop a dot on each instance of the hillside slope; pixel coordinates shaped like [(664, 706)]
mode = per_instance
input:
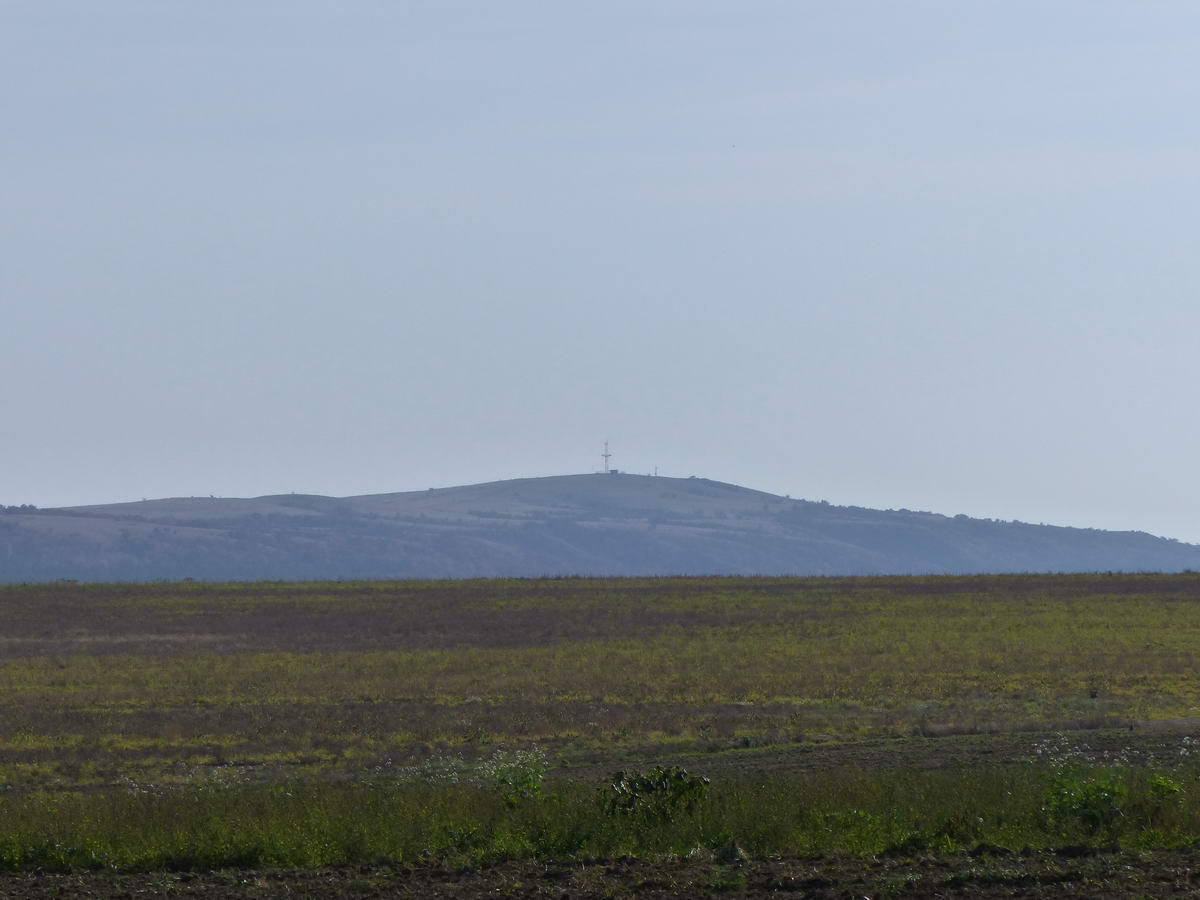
[(614, 524)]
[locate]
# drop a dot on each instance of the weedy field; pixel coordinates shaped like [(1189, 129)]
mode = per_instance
[(696, 726)]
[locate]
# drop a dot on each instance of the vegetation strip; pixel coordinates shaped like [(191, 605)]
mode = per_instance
[(500, 809)]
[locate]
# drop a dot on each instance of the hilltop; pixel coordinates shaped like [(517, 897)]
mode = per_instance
[(601, 524)]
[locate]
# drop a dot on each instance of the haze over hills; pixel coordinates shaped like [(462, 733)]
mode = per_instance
[(600, 524)]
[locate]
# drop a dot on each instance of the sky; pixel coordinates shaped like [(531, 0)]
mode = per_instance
[(924, 255)]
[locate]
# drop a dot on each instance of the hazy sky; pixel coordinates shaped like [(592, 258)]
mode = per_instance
[(928, 255)]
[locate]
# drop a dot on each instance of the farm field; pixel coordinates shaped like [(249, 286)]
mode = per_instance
[(474, 728)]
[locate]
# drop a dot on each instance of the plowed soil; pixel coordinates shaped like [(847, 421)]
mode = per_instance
[(1067, 873)]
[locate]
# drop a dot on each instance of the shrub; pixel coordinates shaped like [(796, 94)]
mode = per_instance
[(515, 774), (1089, 800), (660, 795)]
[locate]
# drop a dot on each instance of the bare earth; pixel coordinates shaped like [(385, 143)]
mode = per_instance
[(1066, 873)]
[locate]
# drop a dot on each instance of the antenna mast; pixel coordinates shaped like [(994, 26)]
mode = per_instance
[(606, 456)]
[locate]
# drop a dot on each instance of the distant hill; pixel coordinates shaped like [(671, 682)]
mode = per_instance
[(603, 524)]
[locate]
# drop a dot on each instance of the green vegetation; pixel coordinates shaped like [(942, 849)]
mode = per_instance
[(201, 725), (471, 815)]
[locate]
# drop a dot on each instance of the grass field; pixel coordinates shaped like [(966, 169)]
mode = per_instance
[(359, 723)]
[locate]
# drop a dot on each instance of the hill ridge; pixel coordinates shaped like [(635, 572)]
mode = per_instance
[(586, 524)]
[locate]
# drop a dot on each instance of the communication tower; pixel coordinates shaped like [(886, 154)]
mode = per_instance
[(606, 456)]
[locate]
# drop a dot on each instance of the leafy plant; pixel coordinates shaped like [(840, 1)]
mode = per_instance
[(515, 774), (659, 795), (1091, 800), (1164, 789)]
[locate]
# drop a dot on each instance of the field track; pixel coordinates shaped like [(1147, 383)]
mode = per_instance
[(1152, 742)]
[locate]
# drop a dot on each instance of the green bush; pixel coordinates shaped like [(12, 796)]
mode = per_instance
[(660, 795), (515, 774), (1092, 801)]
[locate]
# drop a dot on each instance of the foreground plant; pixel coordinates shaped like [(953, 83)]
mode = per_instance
[(659, 795), (1103, 795)]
